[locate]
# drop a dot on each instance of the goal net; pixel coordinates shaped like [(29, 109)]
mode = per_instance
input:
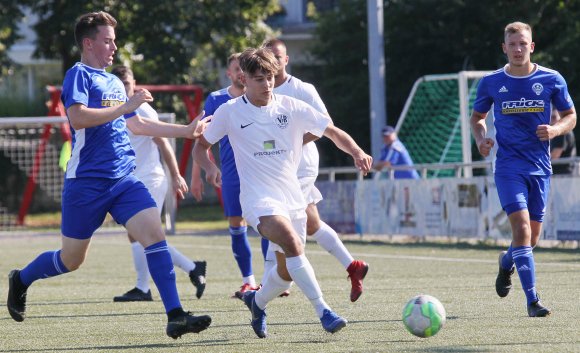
[(33, 156), (434, 124)]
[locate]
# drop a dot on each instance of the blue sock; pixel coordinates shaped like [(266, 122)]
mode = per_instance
[(241, 249), (524, 260), (48, 264), (265, 244), (163, 274), (507, 261)]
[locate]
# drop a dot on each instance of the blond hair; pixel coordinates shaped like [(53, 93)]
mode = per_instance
[(516, 27)]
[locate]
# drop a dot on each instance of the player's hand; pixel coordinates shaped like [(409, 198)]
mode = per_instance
[(485, 146), (179, 186), (547, 132), (139, 97), (363, 162), (197, 188), (198, 125), (214, 177)]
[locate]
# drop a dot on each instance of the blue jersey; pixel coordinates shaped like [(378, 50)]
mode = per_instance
[(520, 105), (228, 164), (102, 151), (397, 154)]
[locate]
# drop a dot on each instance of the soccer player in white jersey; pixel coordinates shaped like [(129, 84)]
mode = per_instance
[(266, 132), (522, 94), (99, 176), (324, 235), (230, 189), (149, 169)]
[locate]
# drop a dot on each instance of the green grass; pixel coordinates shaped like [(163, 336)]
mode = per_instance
[(190, 217), (75, 312)]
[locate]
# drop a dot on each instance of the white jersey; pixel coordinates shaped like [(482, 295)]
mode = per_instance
[(267, 145), (146, 151), (305, 92)]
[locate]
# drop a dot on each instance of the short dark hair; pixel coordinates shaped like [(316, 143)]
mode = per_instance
[(253, 60), (122, 72), (87, 25)]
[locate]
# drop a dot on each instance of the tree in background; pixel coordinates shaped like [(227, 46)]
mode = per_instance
[(10, 16), (419, 40), (169, 41)]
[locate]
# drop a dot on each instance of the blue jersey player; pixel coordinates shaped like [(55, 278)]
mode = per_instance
[(238, 227), (99, 177), (522, 94)]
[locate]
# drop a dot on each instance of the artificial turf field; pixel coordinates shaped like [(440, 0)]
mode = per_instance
[(76, 313)]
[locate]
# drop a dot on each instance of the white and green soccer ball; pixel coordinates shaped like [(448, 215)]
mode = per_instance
[(424, 315)]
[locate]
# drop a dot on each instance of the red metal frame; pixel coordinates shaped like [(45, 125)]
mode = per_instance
[(57, 109)]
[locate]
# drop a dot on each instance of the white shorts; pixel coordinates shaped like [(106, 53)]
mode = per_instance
[(310, 192), (296, 217), (157, 186)]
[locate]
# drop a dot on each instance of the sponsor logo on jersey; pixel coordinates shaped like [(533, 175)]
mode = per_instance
[(269, 150), (537, 88), (282, 121), (503, 89), (245, 126), (111, 99), (522, 106)]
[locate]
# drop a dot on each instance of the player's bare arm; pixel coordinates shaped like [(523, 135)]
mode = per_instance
[(343, 141), (562, 126), (148, 127), (178, 184), (479, 130), (197, 186), (82, 117), (200, 155)]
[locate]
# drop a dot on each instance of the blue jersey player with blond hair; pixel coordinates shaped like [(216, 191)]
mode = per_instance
[(522, 94), (99, 177)]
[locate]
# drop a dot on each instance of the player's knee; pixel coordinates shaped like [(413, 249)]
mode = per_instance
[(292, 246)]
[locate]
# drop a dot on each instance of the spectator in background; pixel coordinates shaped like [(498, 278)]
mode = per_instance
[(562, 146), (395, 153)]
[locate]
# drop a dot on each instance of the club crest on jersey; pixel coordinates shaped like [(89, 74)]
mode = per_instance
[(537, 88), (282, 121)]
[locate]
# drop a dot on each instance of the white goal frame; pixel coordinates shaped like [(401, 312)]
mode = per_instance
[(462, 77), (170, 203)]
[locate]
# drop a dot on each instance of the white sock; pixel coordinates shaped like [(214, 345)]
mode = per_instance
[(140, 262), (180, 260), (302, 273), (251, 280), (327, 238), (272, 286), (269, 263)]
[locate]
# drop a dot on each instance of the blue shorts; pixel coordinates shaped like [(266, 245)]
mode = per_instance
[(86, 202), (231, 199), (519, 192)]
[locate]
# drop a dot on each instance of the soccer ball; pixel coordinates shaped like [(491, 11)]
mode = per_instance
[(423, 315)]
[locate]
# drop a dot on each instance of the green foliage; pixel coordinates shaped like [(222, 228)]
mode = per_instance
[(167, 41), (459, 35), (10, 15), (343, 82)]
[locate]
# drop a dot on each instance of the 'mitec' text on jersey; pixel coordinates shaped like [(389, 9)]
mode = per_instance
[(521, 103)]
